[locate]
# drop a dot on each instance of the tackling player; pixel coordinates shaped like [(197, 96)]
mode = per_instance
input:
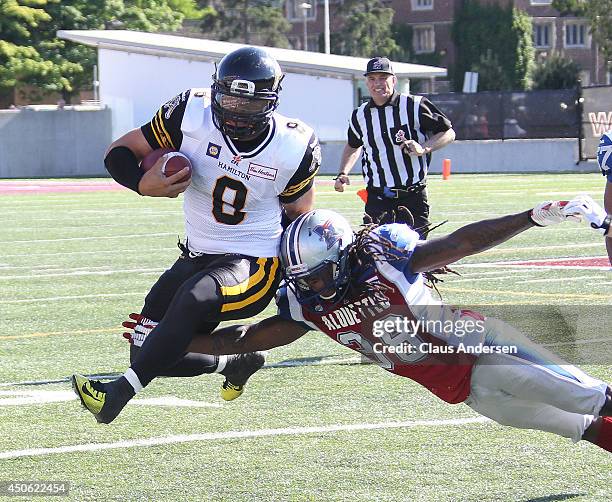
[(367, 292), (249, 165)]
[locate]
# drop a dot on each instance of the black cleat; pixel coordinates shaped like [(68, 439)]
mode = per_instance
[(104, 400), (237, 371)]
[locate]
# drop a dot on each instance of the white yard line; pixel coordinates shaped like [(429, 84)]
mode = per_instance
[(500, 276), (546, 267), (54, 268), (130, 236), (564, 279), (545, 248), (596, 193), (83, 273), (29, 397), (108, 251), (496, 270), (216, 436), (536, 264), (75, 297)]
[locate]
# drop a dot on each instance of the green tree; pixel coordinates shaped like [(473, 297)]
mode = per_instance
[(599, 15), (72, 64), (189, 8), (30, 52), (402, 34), (246, 21), (556, 72), (521, 47), (571, 7), (19, 59), (491, 73), (366, 30), (504, 40)]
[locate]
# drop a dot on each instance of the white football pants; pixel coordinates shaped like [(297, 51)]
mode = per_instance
[(533, 389)]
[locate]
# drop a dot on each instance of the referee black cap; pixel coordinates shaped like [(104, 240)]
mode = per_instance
[(379, 65)]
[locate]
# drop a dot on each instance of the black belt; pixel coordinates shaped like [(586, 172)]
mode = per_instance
[(397, 193)]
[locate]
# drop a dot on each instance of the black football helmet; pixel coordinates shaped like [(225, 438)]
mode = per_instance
[(245, 92)]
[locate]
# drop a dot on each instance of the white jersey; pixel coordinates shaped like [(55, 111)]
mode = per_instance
[(233, 204)]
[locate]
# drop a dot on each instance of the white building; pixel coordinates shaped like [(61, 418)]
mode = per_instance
[(140, 71)]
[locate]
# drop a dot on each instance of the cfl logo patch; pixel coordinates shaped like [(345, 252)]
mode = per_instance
[(213, 150), (400, 134)]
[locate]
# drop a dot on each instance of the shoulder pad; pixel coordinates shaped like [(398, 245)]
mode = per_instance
[(291, 125)]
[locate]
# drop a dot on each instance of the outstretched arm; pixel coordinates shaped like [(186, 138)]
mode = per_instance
[(238, 339), (471, 239), (482, 235)]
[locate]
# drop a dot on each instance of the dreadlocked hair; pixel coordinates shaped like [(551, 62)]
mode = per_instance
[(368, 247), (401, 215)]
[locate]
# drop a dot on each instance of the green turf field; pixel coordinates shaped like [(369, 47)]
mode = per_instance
[(73, 265)]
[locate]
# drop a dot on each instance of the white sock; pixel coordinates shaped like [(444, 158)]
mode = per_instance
[(133, 379), (222, 364)]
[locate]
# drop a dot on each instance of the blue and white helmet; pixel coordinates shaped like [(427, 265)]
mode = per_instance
[(315, 245), (604, 154)]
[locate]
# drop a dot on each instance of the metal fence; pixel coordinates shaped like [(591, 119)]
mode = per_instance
[(512, 115), (584, 113), (596, 105)]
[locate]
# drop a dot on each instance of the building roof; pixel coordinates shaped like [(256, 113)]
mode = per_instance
[(310, 63)]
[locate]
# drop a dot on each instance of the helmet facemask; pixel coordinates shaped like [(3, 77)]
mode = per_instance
[(330, 280), (245, 90), (315, 259), (242, 115)]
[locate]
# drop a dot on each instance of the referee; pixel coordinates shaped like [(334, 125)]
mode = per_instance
[(397, 133)]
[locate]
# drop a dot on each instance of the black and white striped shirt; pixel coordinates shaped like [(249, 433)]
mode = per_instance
[(382, 129)]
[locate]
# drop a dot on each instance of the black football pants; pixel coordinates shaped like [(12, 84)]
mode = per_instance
[(381, 209), (192, 297)]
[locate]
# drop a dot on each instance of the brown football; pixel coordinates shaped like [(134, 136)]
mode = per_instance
[(175, 161)]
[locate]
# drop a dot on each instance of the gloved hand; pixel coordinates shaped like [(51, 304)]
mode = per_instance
[(140, 326), (585, 206), (550, 213)]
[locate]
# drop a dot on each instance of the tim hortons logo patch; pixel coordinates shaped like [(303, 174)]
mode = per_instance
[(267, 173)]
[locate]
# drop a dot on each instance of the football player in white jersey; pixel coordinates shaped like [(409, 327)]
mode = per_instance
[(367, 292), (251, 165)]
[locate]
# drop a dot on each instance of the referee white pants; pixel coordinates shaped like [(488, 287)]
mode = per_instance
[(533, 389)]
